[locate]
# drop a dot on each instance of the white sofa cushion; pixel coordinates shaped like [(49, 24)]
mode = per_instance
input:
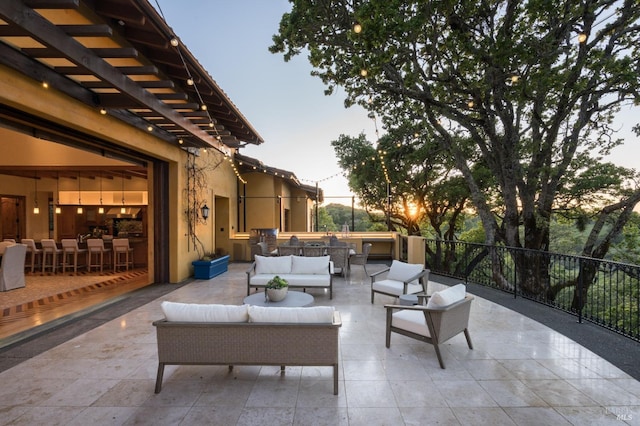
[(273, 264), (194, 312), (294, 280), (312, 315), (444, 298), (396, 287), (401, 271), (316, 265)]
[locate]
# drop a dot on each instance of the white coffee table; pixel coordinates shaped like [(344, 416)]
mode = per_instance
[(294, 299)]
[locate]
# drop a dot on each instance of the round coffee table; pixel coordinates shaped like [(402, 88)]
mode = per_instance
[(294, 299)]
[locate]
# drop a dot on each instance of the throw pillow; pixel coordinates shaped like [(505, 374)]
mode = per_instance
[(444, 298), (317, 265), (401, 271), (273, 265), (312, 315), (194, 312)]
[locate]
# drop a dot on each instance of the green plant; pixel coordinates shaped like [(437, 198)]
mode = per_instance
[(277, 282)]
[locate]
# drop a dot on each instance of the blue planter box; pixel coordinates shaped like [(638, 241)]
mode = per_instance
[(207, 269)]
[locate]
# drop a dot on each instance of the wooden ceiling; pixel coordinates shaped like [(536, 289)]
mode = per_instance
[(118, 56)]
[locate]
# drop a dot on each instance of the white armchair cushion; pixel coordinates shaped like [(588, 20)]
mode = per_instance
[(444, 298), (395, 287), (413, 321), (312, 315), (273, 265), (193, 312), (316, 265), (401, 271)]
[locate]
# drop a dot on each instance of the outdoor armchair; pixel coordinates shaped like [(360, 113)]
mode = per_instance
[(361, 258), (434, 323), (400, 278)]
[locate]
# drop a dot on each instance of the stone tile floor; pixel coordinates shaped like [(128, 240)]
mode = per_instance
[(520, 372)]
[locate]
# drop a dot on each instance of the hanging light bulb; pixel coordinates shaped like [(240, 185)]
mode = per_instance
[(36, 209), (101, 208), (123, 209), (174, 42), (582, 37), (58, 208), (190, 81), (79, 210), (357, 28)]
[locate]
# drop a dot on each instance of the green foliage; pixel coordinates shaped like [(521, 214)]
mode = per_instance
[(277, 282), (500, 84)]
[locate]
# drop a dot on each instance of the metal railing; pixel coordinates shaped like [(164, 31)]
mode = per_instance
[(604, 292)]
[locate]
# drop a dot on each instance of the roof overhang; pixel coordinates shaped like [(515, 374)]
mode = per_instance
[(253, 165), (119, 56)]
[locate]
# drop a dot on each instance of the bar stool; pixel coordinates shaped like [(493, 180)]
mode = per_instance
[(50, 251), (122, 253), (96, 250), (33, 252), (70, 250)]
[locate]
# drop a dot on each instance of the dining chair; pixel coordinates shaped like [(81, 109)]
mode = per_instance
[(33, 251), (361, 258), (50, 251), (70, 254)]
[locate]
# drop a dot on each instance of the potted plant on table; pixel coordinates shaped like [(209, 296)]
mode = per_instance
[(277, 288)]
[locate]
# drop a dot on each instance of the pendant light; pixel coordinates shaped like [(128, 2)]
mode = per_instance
[(123, 209), (36, 209), (80, 210), (101, 208), (58, 208)]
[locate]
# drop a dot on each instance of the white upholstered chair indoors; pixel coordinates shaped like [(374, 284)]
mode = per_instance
[(70, 254), (50, 253), (400, 278), (12, 269), (96, 253), (33, 251), (446, 315)]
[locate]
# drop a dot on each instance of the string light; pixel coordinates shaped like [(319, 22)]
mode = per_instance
[(582, 38), (357, 28)]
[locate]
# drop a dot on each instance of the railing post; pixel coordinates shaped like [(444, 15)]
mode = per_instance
[(515, 273), (580, 279)]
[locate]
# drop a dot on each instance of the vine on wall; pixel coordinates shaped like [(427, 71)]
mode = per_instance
[(198, 169)]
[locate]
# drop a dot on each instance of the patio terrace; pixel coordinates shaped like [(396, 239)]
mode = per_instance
[(520, 372)]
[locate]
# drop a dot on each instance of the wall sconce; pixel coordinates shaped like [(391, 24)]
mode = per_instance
[(204, 211)]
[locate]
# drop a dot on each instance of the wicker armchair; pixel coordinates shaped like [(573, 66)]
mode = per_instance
[(314, 251), (286, 250), (340, 258), (361, 258)]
